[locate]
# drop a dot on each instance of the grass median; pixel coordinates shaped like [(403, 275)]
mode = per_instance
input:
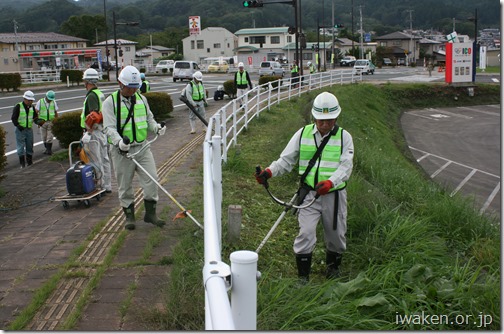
[(416, 258)]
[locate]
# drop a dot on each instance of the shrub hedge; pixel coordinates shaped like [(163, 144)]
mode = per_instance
[(10, 81), (161, 105), (230, 88), (73, 76), (67, 128), (270, 78)]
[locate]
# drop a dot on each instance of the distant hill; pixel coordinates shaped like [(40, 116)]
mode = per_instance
[(157, 15)]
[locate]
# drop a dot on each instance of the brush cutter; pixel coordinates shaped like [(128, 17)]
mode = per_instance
[(287, 206), (184, 213)]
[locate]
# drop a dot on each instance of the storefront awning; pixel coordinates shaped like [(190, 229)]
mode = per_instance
[(57, 53)]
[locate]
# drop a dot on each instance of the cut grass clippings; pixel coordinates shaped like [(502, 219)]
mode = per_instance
[(416, 258)]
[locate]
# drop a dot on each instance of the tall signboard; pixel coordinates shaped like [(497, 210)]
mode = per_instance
[(459, 62), (194, 25)]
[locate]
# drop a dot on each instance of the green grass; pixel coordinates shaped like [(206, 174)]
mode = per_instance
[(410, 247), (489, 69)]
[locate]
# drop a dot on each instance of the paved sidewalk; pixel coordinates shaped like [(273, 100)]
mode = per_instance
[(38, 236)]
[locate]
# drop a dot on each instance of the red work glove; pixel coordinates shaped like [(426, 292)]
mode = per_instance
[(323, 187), (263, 176)]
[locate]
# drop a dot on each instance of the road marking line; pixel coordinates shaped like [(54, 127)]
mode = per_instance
[(481, 111), (495, 80), (449, 113), (490, 199), (457, 163), (423, 157), (413, 114), (441, 169), (461, 184)]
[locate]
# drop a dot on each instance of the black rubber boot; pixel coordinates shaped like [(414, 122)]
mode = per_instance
[(150, 214), (333, 261), (29, 160), (49, 148), (303, 262), (129, 212), (45, 145), (22, 161)]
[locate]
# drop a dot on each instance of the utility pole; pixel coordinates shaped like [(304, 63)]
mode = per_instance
[(106, 39), (361, 30), (352, 31), (411, 33), (333, 57), (15, 34)]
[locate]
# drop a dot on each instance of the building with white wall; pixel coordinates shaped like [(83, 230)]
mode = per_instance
[(211, 42)]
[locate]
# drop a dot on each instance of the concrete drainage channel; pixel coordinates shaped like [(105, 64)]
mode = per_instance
[(64, 299)]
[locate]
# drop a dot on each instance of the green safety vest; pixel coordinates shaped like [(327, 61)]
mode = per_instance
[(312, 69), (25, 119), (295, 69), (329, 160), (138, 133), (241, 78), (45, 113), (147, 86), (198, 91), (101, 98)]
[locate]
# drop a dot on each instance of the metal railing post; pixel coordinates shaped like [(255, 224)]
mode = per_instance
[(223, 133), (244, 289), (217, 178), (234, 123)]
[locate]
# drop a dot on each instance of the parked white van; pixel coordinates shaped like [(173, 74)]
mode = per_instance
[(184, 69)]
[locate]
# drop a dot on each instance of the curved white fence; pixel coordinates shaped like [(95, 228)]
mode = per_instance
[(223, 130)]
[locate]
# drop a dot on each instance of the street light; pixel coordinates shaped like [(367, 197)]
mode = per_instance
[(133, 24)]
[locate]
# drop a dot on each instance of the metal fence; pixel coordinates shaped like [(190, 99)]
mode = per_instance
[(239, 311)]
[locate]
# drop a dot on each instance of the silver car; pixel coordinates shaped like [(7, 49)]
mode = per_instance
[(272, 68)]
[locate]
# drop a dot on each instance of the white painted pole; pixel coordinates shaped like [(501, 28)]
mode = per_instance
[(244, 289)]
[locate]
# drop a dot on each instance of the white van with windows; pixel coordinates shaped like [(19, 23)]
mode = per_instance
[(184, 69)]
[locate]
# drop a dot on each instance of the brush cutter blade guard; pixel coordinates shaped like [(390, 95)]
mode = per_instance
[(181, 215)]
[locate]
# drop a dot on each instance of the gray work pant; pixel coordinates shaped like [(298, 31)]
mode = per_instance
[(125, 171), (335, 239), (99, 156)]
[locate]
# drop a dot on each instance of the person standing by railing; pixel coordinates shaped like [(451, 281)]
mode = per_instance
[(295, 74), (47, 110), (242, 82), (325, 153), (23, 116)]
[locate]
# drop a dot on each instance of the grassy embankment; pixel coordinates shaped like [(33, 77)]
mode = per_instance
[(413, 251)]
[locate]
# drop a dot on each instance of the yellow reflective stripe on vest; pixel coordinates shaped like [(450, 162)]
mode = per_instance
[(24, 119), (329, 160), (101, 98), (44, 113)]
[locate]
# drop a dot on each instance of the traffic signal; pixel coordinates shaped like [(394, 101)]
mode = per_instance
[(120, 52), (252, 4), (291, 30), (108, 53), (337, 25)]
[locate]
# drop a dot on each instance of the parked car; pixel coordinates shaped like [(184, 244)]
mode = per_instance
[(168, 64), (184, 69), (347, 61), (271, 68), (218, 66), (364, 66), (104, 66), (387, 62)]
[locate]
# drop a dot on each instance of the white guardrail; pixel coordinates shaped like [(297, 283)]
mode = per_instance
[(239, 312)]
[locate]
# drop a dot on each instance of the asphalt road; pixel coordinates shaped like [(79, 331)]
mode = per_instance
[(460, 148)]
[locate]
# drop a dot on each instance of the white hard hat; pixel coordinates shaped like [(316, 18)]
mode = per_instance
[(309, 63), (91, 75), (326, 106), (130, 77), (29, 95), (198, 76), (240, 64)]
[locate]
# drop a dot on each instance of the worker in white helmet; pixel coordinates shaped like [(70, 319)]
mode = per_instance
[(311, 67), (23, 116), (94, 138), (195, 93), (242, 82), (324, 173), (126, 113)]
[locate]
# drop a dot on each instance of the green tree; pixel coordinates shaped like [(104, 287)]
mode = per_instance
[(84, 26)]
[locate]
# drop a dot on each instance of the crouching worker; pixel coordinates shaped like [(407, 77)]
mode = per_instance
[(325, 154), (126, 113)]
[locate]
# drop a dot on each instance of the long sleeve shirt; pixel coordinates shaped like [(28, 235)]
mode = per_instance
[(241, 86), (290, 157), (110, 119), (15, 113)]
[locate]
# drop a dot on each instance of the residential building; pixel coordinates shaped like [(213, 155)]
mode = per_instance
[(41, 51), (154, 52), (211, 42), (400, 46), (261, 44)]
